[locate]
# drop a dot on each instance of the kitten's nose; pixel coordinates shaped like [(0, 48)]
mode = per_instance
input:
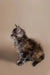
[(11, 35)]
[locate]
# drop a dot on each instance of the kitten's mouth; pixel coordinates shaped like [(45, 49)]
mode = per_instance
[(12, 36)]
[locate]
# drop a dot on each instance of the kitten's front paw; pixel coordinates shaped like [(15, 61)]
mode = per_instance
[(20, 63)]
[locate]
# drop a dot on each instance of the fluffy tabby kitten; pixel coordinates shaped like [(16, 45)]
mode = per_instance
[(28, 49)]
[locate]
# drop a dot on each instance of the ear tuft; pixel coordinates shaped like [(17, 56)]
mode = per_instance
[(15, 25)]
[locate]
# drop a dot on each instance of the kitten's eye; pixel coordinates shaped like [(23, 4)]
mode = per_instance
[(18, 30)]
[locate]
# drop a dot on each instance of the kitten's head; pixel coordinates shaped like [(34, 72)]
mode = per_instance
[(17, 32)]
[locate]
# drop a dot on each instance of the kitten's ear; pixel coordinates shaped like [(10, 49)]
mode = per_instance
[(18, 29), (16, 25)]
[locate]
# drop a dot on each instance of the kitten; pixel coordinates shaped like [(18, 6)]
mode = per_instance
[(28, 49)]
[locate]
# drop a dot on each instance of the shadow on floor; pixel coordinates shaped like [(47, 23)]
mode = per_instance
[(8, 55), (41, 69)]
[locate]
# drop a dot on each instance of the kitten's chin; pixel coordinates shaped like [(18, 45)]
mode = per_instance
[(12, 37), (20, 35)]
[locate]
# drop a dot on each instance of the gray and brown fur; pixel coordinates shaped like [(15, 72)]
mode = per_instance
[(28, 49)]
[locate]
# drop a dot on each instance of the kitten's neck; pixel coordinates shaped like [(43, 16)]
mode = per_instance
[(22, 39)]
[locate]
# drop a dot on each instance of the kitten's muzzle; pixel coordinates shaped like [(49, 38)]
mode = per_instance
[(12, 35)]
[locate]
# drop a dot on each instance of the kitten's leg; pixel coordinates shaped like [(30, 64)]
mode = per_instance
[(23, 59), (19, 58), (38, 60), (20, 62)]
